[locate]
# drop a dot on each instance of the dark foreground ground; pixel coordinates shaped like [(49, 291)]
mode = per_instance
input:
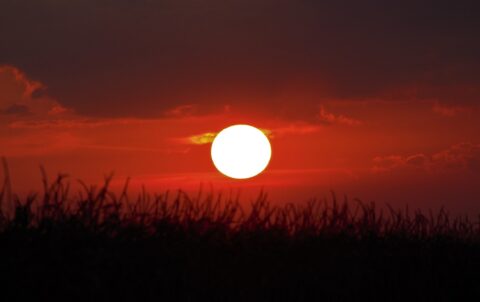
[(171, 267), (98, 246)]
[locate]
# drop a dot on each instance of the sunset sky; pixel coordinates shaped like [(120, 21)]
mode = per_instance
[(372, 99)]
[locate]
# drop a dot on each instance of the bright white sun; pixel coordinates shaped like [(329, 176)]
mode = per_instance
[(241, 151)]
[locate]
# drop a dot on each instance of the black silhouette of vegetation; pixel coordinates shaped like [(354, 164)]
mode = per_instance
[(96, 245)]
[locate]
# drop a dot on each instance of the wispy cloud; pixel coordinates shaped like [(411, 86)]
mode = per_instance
[(181, 111), (75, 122), (448, 110), (134, 148), (330, 118), (30, 88), (298, 128), (208, 137), (391, 162), (462, 156), (22, 97), (201, 139)]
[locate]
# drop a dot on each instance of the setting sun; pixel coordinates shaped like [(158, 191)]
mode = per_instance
[(241, 151)]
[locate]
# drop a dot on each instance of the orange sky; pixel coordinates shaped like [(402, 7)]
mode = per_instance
[(423, 153)]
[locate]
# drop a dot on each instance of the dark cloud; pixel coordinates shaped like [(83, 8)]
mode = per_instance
[(102, 56), (16, 110)]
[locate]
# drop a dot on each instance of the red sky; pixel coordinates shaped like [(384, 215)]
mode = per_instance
[(374, 101)]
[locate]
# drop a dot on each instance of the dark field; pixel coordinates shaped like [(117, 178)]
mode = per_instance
[(97, 245)]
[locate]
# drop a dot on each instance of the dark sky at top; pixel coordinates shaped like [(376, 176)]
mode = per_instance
[(140, 58)]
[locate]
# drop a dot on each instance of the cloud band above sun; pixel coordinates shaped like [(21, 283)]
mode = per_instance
[(209, 137)]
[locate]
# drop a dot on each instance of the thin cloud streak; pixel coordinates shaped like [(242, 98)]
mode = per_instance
[(462, 156)]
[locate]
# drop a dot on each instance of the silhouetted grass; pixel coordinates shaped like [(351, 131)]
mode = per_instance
[(96, 244)]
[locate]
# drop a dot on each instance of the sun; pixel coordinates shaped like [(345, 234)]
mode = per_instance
[(241, 151)]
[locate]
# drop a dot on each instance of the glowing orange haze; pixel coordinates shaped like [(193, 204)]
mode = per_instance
[(423, 153)]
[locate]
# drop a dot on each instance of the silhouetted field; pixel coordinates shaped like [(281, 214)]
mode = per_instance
[(97, 245)]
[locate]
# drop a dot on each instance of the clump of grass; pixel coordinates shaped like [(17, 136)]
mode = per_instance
[(97, 209)]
